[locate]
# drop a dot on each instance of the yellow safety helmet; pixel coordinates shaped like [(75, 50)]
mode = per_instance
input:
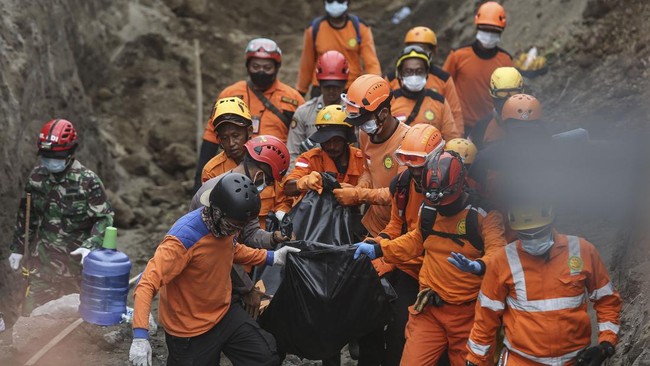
[(527, 217), (413, 52), (506, 82), (230, 110), (464, 147), (421, 35), (330, 122)]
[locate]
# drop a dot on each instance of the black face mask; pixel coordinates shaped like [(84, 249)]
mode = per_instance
[(262, 80), (452, 208)]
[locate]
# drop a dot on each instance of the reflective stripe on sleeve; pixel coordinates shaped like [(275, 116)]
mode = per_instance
[(560, 303), (599, 293), (479, 349), (486, 302), (608, 326)]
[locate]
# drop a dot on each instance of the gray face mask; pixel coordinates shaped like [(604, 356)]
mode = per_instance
[(537, 246), (370, 127), (54, 165)]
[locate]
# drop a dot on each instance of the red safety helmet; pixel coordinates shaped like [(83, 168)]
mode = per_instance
[(263, 48), (56, 136), (443, 179), (332, 65), (270, 150)]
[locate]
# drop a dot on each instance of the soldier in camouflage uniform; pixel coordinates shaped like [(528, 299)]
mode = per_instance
[(69, 214)]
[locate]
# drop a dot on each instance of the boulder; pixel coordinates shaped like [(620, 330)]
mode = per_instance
[(124, 216), (177, 157), (62, 308), (136, 164)]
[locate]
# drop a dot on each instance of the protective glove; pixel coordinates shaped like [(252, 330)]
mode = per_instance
[(464, 264), (280, 255), (311, 182), (140, 352), (595, 356), (365, 248), (280, 215), (14, 260), (252, 301), (83, 252), (347, 196)]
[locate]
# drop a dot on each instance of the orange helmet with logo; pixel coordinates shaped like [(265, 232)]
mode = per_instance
[(421, 35), (366, 94), (491, 15), (419, 144), (522, 107)]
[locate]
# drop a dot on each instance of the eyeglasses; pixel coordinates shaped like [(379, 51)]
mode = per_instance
[(506, 93), (412, 72)]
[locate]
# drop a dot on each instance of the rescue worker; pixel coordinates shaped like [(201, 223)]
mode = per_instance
[(367, 105), (69, 213), (438, 80), (538, 287), (337, 30), (451, 227), (414, 103), (232, 123), (464, 148), (332, 74), (420, 143), (335, 155), (271, 102), (504, 83), (471, 66), (191, 269)]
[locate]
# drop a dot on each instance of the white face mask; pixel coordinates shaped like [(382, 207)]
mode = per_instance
[(370, 127), (336, 9), (488, 39), (538, 246), (54, 165), (414, 83)]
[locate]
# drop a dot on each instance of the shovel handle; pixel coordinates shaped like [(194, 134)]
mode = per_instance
[(28, 209)]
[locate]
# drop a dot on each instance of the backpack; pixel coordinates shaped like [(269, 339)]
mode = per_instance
[(315, 25)]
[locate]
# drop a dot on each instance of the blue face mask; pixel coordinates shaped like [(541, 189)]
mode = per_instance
[(54, 165)]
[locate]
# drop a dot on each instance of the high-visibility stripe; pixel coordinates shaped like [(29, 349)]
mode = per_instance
[(479, 349), (300, 164), (608, 326), (599, 293), (551, 361), (479, 210), (560, 303), (517, 271), (486, 302)]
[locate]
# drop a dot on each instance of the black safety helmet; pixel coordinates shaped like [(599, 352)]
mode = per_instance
[(237, 197)]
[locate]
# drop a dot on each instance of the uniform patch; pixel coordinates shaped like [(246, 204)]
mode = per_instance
[(575, 264), (461, 228), (289, 100), (327, 116), (352, 42), (429, 115), (293, 123), (388, 162), (302, 163)]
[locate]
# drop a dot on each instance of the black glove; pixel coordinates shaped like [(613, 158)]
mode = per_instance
[(594, 356)]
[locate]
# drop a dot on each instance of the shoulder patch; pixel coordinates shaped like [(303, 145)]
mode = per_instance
[(294, 123), (439, 73), (302, 162), (189, 228), (289, 100), (435, 95)]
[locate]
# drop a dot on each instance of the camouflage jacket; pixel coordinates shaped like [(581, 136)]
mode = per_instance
[(67, 212)]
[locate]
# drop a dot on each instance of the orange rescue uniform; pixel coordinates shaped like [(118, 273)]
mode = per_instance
[(381, 168), (436, 329), (471, 69), (283, 97), (542, 303), (272, 196), (191, 268), (343, 40), (434, 111), (440, 82)]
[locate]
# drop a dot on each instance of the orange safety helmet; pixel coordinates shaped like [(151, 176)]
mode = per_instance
[(491, 15), (522, 107), (421, 35), (420, 142), (332, 65), (366, 94)]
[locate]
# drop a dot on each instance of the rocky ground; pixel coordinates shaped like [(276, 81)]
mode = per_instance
[(124, 73)]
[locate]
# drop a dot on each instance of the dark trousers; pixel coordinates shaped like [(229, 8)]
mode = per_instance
[(237, 335), (384, 347)]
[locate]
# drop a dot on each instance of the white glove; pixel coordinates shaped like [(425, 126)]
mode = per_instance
[(280, 255), (140, 352), (83, 252), (153, 326), (14, 260), (280, 215)]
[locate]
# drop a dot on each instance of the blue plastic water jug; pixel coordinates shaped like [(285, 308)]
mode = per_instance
[(105, 283)]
